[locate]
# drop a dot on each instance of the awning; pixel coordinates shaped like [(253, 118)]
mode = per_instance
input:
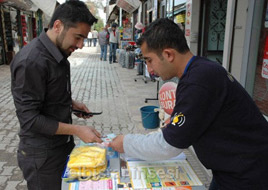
[(128, 5), (25, 5), (48, 7), (32, 5), (111, 8), (113, 13)]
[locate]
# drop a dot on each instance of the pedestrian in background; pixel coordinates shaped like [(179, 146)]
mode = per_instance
[(41, 89), (103, 43), (95, 37), (139, 30), (213, 113), (113, 41), (89, 39)]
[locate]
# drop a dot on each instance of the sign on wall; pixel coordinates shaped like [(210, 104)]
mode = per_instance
[(167, 97), (264, 71), (188, 20)]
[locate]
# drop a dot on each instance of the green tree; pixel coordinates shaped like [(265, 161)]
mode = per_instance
[(93, 6), (99, 25)]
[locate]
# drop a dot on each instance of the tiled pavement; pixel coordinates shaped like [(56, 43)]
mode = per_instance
[(103, 87)]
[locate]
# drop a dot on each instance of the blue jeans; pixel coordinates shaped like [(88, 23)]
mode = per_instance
[(95, 41), (103, 52), (113, 47)]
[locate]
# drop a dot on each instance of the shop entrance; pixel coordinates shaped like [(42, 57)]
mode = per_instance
[(260, 93), (213, 20)]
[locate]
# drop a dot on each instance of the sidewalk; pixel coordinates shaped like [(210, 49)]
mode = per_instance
[(102, 87)]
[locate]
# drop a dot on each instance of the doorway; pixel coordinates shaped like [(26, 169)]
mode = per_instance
[(213, 21)]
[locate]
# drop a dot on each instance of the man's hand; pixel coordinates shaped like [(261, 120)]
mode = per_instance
[(80, 106), (88, 134), (85, 133), (117, 144)]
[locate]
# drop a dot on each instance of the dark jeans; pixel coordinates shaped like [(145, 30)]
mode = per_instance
[(42, 168), (112, 56), (89, 42)]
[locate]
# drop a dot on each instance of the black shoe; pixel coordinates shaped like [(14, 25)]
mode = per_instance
[(101, 59), (110, 62)]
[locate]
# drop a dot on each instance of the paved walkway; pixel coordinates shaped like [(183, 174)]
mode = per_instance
[(103, 87)]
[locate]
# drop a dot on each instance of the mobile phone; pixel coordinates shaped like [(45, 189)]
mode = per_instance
[(85, 113)]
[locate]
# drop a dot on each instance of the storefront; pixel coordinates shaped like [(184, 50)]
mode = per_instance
[(260, 93), (28, 27), (149, 10), (20, 22), (175, 10), (245, 46), (212, 29), (18, 29), (6, 37), (126, 14)]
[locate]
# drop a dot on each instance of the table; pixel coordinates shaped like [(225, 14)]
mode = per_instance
[(119, 166)]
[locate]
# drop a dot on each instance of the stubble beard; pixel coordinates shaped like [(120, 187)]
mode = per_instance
[(59, 42)]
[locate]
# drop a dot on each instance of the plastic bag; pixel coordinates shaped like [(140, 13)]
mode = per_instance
[(87, 161)]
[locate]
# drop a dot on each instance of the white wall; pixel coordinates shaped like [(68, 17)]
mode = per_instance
[(239, 38)]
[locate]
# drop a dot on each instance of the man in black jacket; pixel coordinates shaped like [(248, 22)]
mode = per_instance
[(213, 113), (42, 95)]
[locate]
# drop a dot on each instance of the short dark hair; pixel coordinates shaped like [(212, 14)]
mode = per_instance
[(114, 25), (164, 33), (71, 13)]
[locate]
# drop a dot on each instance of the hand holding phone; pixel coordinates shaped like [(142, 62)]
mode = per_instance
[(84, 114)]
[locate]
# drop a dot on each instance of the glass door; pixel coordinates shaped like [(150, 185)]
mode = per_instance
[(213, 29)]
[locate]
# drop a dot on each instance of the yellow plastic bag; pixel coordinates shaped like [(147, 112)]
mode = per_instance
[(87, 161)]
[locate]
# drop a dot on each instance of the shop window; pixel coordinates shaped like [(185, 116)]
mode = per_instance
[(260, 93)]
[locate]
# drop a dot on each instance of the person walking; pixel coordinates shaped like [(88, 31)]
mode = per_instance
[(103, 43), (89, 39), (95, 37), (41, 89), (213, 113), (113, 41)]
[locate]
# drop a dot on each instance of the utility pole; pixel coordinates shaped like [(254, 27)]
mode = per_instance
[(107, 10)]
